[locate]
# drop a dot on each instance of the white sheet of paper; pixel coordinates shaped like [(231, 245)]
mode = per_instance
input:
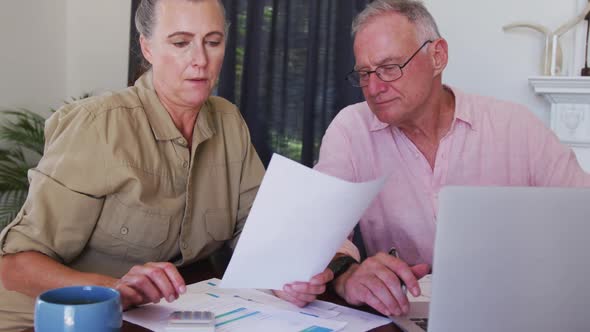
[(262, 297), (199, 297), (425, 290), (297, 223), (355, 320), (232, 313)]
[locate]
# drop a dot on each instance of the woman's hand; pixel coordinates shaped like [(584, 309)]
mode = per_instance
[(149, 283)]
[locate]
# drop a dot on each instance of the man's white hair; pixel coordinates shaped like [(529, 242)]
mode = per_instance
[(413, 10)]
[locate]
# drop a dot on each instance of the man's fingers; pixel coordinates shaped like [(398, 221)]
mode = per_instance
[(420, 270), (322, 278), (402, 271), (286, 296), (305, 297), (302, 293), (308, 288), (377, 282), (380, 291), (369, 298), (393, 284)]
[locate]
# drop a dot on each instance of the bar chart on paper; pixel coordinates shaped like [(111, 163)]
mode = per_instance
[(254, 310), (238, 314), (233, 314)]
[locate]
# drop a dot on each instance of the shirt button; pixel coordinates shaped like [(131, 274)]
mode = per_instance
[(124, 230), (184, 245), (181, 141), (185, 164)]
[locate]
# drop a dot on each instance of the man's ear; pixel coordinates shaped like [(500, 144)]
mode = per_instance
[(440, 55), (146, 49)]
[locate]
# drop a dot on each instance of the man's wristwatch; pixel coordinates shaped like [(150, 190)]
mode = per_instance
[(341, 264)]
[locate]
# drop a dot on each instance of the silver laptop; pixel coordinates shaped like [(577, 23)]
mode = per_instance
[(509, 259)]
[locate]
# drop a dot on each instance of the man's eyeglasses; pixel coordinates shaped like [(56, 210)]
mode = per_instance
[(386, 73)]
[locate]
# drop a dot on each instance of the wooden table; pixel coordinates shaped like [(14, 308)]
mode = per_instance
[(205, 270)]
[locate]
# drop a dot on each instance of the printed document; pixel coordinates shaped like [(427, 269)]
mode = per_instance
[(297, 223), (253, 310)]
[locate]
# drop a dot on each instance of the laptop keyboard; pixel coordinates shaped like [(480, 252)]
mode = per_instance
[(421, 322)]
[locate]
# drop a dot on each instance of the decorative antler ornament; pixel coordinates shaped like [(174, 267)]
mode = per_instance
[(553, 55)]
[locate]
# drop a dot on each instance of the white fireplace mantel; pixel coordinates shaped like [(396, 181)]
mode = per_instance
[(570, 111), (562, 90)]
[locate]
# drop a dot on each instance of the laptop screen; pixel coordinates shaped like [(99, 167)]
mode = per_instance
[(511, 259)]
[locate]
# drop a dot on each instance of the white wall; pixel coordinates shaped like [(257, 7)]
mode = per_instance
[(55, 49), (32, 52), (97, 39), (488, 61)]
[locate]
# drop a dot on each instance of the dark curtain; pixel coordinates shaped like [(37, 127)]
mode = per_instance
[(136, 62), (284, 67)]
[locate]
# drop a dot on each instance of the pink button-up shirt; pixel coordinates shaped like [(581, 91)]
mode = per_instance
[(490, 143)]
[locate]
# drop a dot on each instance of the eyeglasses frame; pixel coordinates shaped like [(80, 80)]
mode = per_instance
[(376, 71)]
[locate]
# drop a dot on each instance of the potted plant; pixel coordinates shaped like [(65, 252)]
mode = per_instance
[(21, 147), (22, 141)]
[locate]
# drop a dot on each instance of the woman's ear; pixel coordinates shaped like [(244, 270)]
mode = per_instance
[(146, 49)]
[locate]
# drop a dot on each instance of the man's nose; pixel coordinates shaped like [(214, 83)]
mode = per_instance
[(375, 85)]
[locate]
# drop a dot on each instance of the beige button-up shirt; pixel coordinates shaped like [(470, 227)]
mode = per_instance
[(118, 186)]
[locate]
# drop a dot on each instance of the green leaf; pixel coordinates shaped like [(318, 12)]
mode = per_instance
[(13, 170), (23, 128), (23, 132), (10, 204)]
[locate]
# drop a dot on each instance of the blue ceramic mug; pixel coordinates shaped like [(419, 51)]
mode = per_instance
[(79, 309)]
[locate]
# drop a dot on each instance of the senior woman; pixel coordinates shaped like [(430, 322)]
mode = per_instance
[(160, 172), (133, 184)]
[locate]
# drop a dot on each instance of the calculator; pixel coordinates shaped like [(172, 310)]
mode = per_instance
[(194, 321)]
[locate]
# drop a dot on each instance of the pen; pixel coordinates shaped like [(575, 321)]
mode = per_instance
[(393, 252)]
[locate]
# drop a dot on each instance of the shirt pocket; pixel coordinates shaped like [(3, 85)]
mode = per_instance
[(219, 224), (135, 233)]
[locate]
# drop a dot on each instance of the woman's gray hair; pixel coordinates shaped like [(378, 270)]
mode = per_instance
[(145, 17), (413, 10)]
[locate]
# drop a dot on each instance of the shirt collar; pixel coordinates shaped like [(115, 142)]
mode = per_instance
[(205, 127), (160, 121), (376, 125), (463, 112)]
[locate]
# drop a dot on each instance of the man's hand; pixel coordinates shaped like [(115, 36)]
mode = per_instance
[(149, 283), (303, 293), (376, 282)]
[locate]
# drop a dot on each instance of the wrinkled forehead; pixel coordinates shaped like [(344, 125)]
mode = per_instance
[(396, 25), (188, 15), (387, 38)]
